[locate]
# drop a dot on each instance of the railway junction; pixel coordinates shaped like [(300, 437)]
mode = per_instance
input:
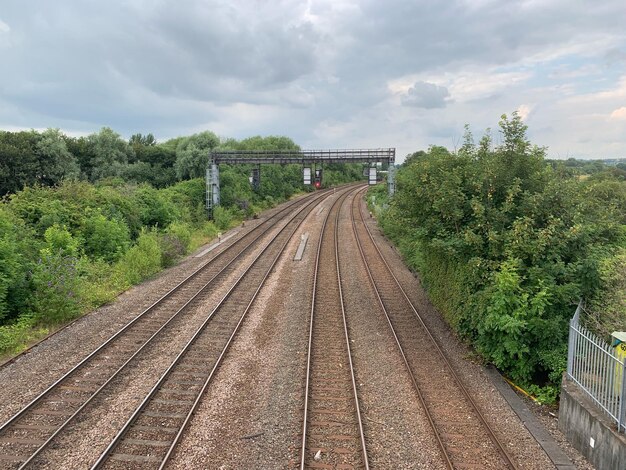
[(242, 357)]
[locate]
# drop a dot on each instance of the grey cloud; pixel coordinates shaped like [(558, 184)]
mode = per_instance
[(426, 95), (412, 37), (184, 50), (165, 66)]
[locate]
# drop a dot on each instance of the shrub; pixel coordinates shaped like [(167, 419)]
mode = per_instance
[(222, 218), (56, 278), (155, 209), (105, 238), (15, 336), (140, 262), (181, 231), (59, 239), (55, 281), (9, 267), (97, 285), (174, 243), (507, 246)]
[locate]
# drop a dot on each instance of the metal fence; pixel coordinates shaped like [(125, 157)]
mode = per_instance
[(595, 367)]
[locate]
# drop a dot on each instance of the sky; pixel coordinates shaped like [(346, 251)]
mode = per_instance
[(327, 73)]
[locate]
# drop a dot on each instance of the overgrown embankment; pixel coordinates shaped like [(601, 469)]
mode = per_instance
[(507, 244), (68, 249)]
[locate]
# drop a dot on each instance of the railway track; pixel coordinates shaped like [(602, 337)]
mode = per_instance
[(25, 435), (332, 433), (150, 435), (464, 436)]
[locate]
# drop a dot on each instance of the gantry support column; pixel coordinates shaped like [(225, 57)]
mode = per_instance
[(391, 179), (212, 187)]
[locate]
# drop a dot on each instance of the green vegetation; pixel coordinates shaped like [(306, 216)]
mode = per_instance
[(68, 249), (85, 218), (507, 244)]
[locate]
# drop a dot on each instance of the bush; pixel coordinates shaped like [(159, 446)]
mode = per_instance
[(55, 280), (174, 243), (222, 218), (180, 231), (9, 272), (507, 246), (97, 285), (140, 262), (209, 230), (155, 209), (15, 336), (105, 238), (70, 248)]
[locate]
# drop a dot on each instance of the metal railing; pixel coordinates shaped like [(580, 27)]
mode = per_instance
[(600, 373)]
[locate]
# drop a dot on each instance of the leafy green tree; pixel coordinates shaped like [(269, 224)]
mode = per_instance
[(19, 166), (56, 162), (109, 153), (192, 154), (154, 164), (142, 140), (79, 148)]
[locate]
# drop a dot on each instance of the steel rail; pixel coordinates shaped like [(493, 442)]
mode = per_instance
[(106, 454), (345, 329), (310, 343), (499, 446), (421, 398), (37, 400)]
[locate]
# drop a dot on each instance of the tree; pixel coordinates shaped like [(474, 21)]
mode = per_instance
[(108, 152), (507, 245), (142, 140), (56, 162), (19, 165), (192, 154)]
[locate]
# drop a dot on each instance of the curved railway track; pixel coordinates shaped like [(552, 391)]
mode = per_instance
[(150, 435), (27, 433), (332, 432), (464, 436)]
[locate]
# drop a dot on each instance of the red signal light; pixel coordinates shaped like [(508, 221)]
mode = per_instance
[(317, 184)]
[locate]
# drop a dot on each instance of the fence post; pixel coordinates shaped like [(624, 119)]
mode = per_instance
[(621, 418), (570, 349)]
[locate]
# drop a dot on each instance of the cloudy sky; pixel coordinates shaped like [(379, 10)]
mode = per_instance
[(328, 73)]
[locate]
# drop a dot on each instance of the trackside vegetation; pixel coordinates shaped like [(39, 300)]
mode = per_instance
[(83, 219), (507, 243)]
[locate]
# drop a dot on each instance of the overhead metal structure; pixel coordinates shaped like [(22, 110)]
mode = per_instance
[(287, 157)]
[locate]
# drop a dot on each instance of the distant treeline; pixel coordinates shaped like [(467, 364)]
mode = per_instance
[(29, 158), (508, 243), (589, 167)]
